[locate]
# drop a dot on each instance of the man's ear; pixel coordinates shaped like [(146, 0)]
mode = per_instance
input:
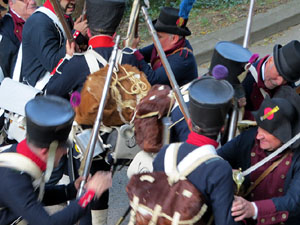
[(44, 154), (175, 38)]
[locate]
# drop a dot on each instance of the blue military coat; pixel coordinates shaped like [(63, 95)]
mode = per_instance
[(182, 63), (18, 198), (212, 178)]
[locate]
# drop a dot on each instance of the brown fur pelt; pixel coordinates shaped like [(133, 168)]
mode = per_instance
[(153, 189), (148, 124), (91, 95)]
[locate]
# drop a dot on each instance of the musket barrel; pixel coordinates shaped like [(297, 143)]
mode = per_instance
[(94, 136), (166, 65), (248, 26), (59, 13), (234, 115)]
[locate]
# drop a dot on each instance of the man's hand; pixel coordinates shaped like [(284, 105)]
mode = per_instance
[(99, 183), (242, 102), (241, 209), (70, 48), (77, 182), (81, 26)]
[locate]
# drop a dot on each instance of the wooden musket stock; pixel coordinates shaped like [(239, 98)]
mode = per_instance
[(60, 15), (166, 65)]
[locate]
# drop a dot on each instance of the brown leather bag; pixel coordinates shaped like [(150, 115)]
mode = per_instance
[(127, 87), (160, 199)]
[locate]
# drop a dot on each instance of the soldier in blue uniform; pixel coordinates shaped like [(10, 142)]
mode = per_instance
[(171, 33), (273, 71), (275, 197), (49, 120), (210, 100), (11, 27), (71, 74), (44, 43)]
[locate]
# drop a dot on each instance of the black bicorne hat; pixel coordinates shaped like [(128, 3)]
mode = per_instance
[(48, 118), (287, 60), (168, 22), (276, 116), (293, 97), (210, 100), (104, 16), (233, 56)]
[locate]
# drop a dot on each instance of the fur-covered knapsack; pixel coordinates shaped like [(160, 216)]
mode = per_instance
[(128, 86), (168, 198)]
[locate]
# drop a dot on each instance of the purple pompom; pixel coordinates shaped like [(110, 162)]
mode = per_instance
[(253, 58), (219, 72), (75, 99)]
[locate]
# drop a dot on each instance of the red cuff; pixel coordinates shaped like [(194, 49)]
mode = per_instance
[(76, 34), (86, 198), (58, 64), (267, 213), (138, 55)]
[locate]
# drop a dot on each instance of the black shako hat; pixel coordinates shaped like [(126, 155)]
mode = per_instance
[(287, 60), (48, 118), (210, 100), (168, 22), (104, 16), (231, 55)]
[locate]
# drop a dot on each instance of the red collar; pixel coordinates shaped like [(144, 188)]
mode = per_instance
[(48, 5), (23, 149), (101, 41), (200, 140), (18, 24)]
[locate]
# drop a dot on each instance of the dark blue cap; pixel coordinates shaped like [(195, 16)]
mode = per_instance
[(48, 118)]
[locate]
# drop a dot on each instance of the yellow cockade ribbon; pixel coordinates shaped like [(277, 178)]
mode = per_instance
[(274, 110)]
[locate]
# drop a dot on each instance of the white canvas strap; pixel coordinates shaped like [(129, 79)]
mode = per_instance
[(92, 58), (21, 163), (18, 65), (41, 83), (189, 162)]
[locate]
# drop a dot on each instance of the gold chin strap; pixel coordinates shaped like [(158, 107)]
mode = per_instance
[(50, 164)]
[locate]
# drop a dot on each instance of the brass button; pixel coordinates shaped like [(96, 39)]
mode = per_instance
[(273, 218), (287, 163), (262, 220), (283, 216), (282, 223), (280, 190), (282, 176), (17, 31), (251, 183), (252, 195), (252, 154)]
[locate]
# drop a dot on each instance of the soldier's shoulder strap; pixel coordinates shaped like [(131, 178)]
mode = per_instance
[(92, 58), (20, 163), (190, 162)]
